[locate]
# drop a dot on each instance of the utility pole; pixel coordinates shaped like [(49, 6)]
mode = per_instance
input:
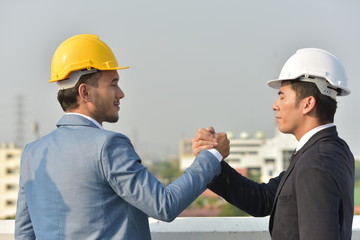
[(35, 130), (19, 136)]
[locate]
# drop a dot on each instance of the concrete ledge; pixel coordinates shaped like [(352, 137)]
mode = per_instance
[(206, 228), (7, 229), (199, 228)]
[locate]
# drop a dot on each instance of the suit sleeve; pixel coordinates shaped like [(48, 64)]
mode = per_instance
[(318, 199), (252, 197), (23, 226), (136, 185)]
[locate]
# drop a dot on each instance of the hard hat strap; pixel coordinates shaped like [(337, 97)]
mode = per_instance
[(324, 87), (73, 78)]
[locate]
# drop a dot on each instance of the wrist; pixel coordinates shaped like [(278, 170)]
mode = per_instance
[(216, 153)]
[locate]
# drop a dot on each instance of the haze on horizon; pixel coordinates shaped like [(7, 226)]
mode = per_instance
[(192, 63)]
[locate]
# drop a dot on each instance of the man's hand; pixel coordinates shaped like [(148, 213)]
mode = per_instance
[(207, 139), (223, 144), (204, 139)]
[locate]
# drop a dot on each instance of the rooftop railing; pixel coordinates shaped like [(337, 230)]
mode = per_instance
[(200, 228)]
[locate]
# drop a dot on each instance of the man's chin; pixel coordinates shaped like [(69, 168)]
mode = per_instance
[(284, 131), (112, 119)]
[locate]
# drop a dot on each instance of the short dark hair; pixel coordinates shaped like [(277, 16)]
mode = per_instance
[(68, 97), (325, 106)]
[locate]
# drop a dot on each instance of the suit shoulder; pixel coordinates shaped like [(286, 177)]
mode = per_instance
[(112, 134), (326, 153), (113, 138)]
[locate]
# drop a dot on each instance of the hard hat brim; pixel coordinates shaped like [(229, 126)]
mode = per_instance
[(276, 83)]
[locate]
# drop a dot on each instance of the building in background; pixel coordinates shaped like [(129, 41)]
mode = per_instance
[(9, 179), (255, 156)]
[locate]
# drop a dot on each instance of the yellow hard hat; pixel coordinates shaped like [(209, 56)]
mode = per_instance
[(84, 51)]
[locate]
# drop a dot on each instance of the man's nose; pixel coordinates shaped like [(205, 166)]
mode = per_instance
[(275, 106), (120, 94)]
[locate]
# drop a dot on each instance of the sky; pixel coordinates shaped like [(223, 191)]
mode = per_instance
[(193, 63)]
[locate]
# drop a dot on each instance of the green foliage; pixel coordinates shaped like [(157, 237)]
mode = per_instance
[(199, 202), (357, 196), (206, 201), (254, 174), (357, 173), (229, 210), (166, 171)]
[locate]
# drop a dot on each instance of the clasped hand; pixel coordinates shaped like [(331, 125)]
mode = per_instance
[(207, 139)]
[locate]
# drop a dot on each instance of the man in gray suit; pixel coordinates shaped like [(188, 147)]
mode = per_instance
[(84, 182), (314, 197)]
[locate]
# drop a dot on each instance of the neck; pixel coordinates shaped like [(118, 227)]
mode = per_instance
[(84, 111), (305, 127)]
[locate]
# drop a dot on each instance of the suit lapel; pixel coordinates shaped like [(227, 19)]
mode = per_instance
[(293, 160)]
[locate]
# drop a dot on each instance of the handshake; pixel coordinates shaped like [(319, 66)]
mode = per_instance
[(207, 139)]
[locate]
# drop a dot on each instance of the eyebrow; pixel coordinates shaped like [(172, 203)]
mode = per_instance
[(280, 92)]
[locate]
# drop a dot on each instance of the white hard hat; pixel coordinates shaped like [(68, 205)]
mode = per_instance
[(315, 65)]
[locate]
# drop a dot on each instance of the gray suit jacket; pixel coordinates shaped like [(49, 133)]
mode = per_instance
[(82, 182), (312, 199)]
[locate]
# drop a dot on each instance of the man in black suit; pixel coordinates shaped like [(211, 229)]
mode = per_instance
[(314, 197)]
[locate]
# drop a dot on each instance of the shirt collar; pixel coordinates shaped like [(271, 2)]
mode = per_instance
[(87, 117), (311, 133)]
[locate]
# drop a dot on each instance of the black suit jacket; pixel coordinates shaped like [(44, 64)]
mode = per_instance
[(312, 199)]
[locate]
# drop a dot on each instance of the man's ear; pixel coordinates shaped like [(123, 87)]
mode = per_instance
[(84, 92), (309, 104)]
